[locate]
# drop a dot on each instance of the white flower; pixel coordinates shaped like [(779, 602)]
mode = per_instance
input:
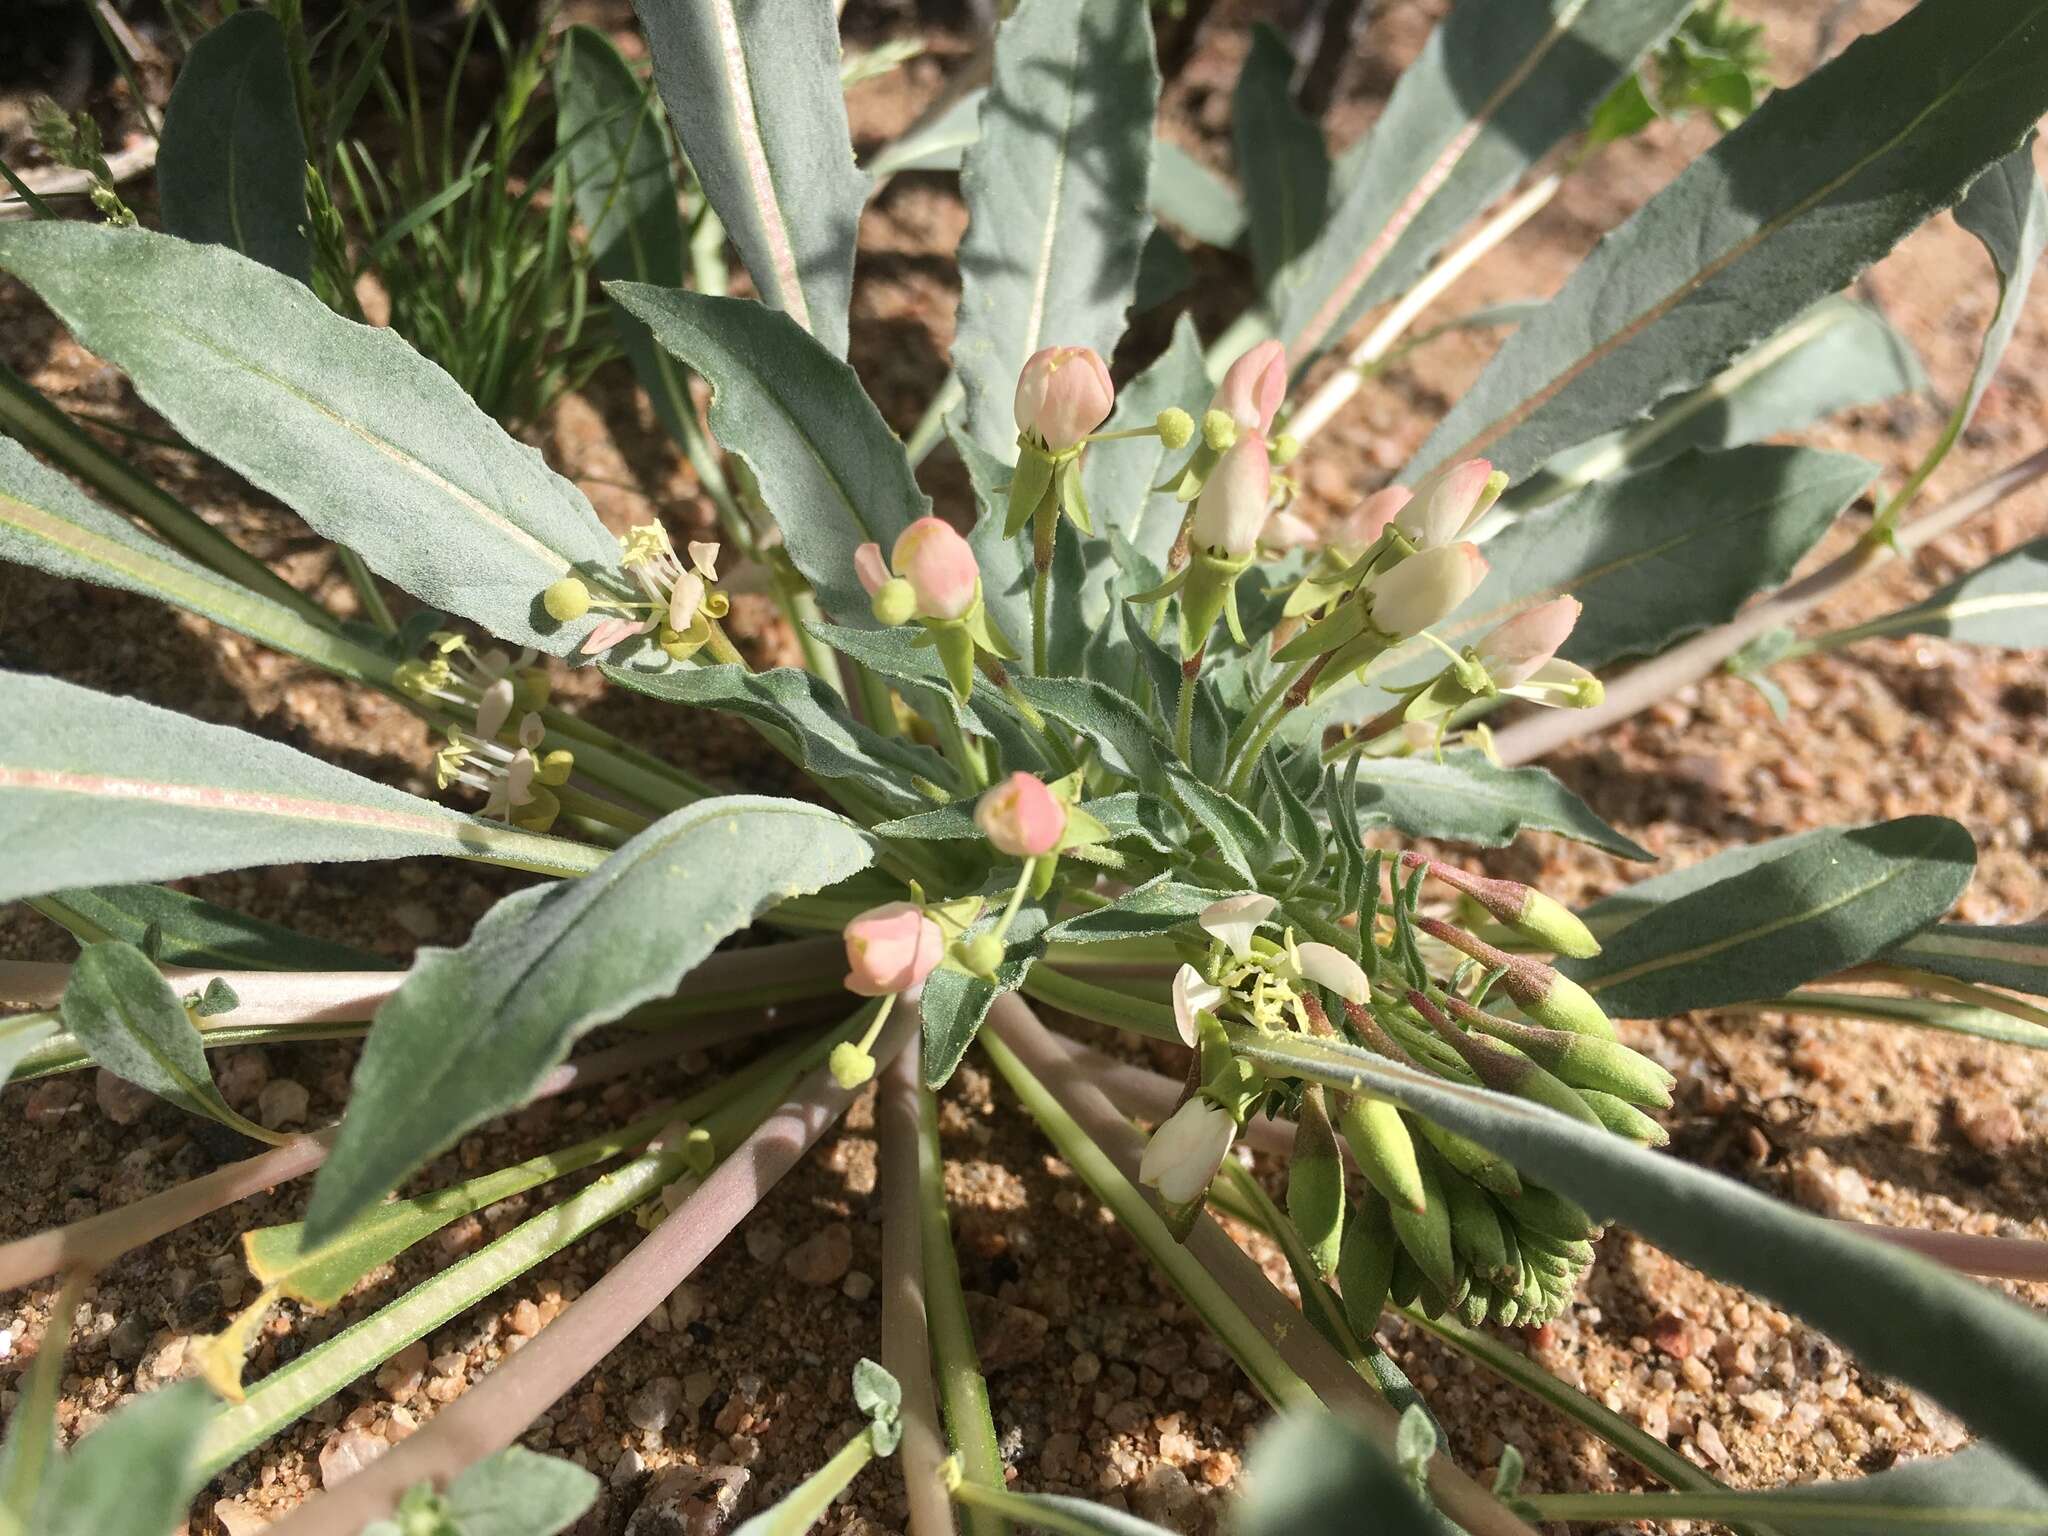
[(1425, 589), (1185, 1152), (1235, 918), (1328, 966), (1447, 508), (1192, 995)]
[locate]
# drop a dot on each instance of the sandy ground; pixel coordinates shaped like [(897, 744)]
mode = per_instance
[(1103, 1383)]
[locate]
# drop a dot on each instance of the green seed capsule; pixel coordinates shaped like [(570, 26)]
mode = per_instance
[(1547, 1213), (1561, 1003), (1482, 1167), (1386, 1153), (1315, 1184), (1406, 1282), (1475, 1225), (1365, 1263), (1476, 1307), (1583, 1061), (1427, 1234), (1624, 1119)]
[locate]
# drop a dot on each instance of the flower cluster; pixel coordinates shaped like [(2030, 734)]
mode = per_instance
[(933, 579), (516, 778), (673, 600)]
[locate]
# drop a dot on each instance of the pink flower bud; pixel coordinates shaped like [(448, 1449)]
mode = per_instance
[(939, 566), (1364, 523), (891, 948), (1021, 817), (1232, 507), (871, 568), (1513, 652), (1063, 394), (1452, 505), (1252, 390), (1426, 588)]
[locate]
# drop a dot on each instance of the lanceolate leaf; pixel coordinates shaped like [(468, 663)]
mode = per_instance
[(187, 931), (1118, 477), (2015, 957), (938, 145), (472, 1030), (134, 1475), (1056, 191), (1616, 911), (108, 790), (1832, 902), (1188, 194), (1497, 85), (1820, 181), (518, 1493), (47, 523), (120, 1006), (231, 166), (2006, 209), (1160, 905), (1310, 1474), (830, 470), (753, 89), (368, 441), (955, 1003), (2004, 602), (1970, 1349), (1838, 354), (1663, 553), (1282, 163), (1465, 799)]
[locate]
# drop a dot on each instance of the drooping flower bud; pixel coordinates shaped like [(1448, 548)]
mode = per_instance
[(1315, 1183), (1232, 508), (1542, 992), (1235, 919), (1187, 1149), (1253, 388), (1450, 506), (1021, 817), (940, 567), (1364, 523), (1513, 652), (1063, 394), (1425, 588), (891, 948)]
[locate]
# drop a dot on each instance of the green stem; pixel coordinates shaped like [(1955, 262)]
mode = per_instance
[(1100, 1004), (721, 648), (622, 766), (962, 753), (32, 1426), (1036, 1513), (375, 609), (1257, 714), (932, 425), (805, 1504), (27, 416), (1269, 1374), (1184, 710), (1810, 1508), (578, 802), (1044, 530), (963, 1391)]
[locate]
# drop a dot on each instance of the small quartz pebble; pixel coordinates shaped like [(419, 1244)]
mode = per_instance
[(857, 1286), (1993, 1129), (685, 1306), (402, 1373), (281, 1103), (120, 1100), (525, 1319), (628, 1467), (822, 1258), (657, 1402), (764, 1244), (237, 1518), (690, 1501), (241, 1077), (347, 1452)]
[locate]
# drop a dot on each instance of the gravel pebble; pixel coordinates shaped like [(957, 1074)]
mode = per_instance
[(281, 1103)]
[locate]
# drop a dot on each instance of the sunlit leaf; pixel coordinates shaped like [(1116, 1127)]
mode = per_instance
[(1465, 799)]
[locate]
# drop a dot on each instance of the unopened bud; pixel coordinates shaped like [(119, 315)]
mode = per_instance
[(567, 600), (1425, 589), (1520, 907), (1545, 994), (1583, 1061), (1176, 428), (1365, 1263), (1378, 1138), (1315, 1183)]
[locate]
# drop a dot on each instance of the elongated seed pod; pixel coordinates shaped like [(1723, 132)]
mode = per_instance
[(1432, 1301), (1385, 1151), (1475, 1225), (1521, 907), (1365, 1262), (1542, 992), (1503, 1068), (1486, 1169), (1506, 1310), (1547, 1212), (1406, 1280), (1315, 1183), (1426, 1234), (1624, 1119), (1584, 1061)]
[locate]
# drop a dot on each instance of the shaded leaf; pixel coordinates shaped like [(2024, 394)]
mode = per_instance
[(752, 87), (2007, 210), (1824, 177), (1496, 86), (231, 164), (1190, 196), (22, 1033), (190, 932), (829, 469), (1161, 905), (1831, 902), (119, 1005), (1281, 162), (111, 791), (135, 1474), (938, 145), (1310, 1474), (369, 442), (1465, 799), (2003, 602), (472, 1030), (1056, 190)]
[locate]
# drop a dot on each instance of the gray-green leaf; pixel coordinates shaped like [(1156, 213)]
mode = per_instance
[(1311, 1474), (135, 1474), (1466, 799), (1282, 163), (195, 933), (1820, 181), (1056, 190), (1119, 477), (752, 87), (369, 442), (830, 470), (231, 166), (1833, 901), (2003, 602), (2014, 957), (119, 1005), (2007, 210), (1161, 905), (111, 791), (472, 1030)]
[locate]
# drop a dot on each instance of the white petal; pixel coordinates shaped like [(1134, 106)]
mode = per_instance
[(1328, 966), (531, 730), (493, 708), (684, 601), (1185, 1152), (1191, 995), (519, 777), (1235, 918), (704, 558)]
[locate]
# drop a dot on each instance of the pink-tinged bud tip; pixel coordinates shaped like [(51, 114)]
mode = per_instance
[(891, 948), (1021, 817), (1449, 507), (1232, 508), (1364, 523), (1426, 588), (1513, 652), (871, 568), (1063, 394), (939, 565), (1253, 388)]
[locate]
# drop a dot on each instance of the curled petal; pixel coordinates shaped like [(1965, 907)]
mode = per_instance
[(1328, 966), (1235, 919), (1187, 1149), (704, 558), (871, 568), (1364, 523), (1192, 995), (1253, 388)]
